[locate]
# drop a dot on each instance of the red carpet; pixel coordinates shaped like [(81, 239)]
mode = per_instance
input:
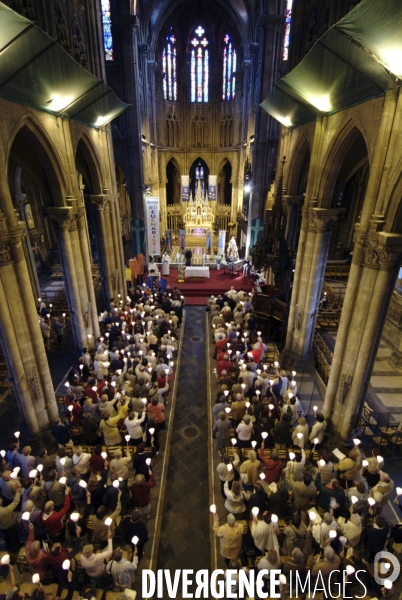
[(197, 290)]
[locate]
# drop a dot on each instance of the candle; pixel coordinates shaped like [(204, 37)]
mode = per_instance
[(5, 559), (332, 534), (276, 364), (294, 373), (94, 388), (292, 455), (247, 404), (25, 516), (371, 501), (127, 438), (354, 499), (104, 455), (271, 406), (365, 463), (234, 441), (356, 442), (33, 473), (312, 515), (282, 579), (40, 468), (17, 470), (151, 431), (82, 483), (321, 462), (70, 408), (253, 443), (3, 453), (13, 475), (226, 392), (212, 508), (350, 570), (74, 516), (316, 441), (135, 540), (399, 491), (274, 518), (148, 462), (315, 408), (108, 520), (264, 435), (229, 468), (255, 510), (262, 476), (116, 483), (17, 434), (379, 458), (63, 461), (300, 435), (66, 565), (257, 392), (144, 401), (81, 367), (63, 480), (35, 578)]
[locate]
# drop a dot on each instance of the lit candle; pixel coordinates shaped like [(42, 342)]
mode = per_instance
[(315, 408), (276, 364), (127, 438), (255, 510), (282, 579), (82, 483), (271, 406), (350, 570), (33, 473), (300, 435), (274, 518), (104, 455), (116, 483), (234, 441), (35, 578), (144, 401), (356, 442), (332, 534), (253, 443), (16, 470), (226, 392), (81, 367), (148, 462), (70, 408), (292, 455), (264, 435), (229, 467), (5, 559), (262, 476), (399, 491), (66, 565), (312, 515), (365, 463), (40, 468), (75, 516), (316, 441), (151, 431), (371, 501), (212, 508), (379, 458), (135, 540), (25, 516), (247, 404), (354, 499), (321, 462), (17, 434), (63, 480), (294, 373), (258, 333), (108, 520), (3, 453)]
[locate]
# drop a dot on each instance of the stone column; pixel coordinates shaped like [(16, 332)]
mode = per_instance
[(116, 243), (86, 261), (362, 320), (63, 218), (21, 338), (292, 206), (315, 236), (103, 232)]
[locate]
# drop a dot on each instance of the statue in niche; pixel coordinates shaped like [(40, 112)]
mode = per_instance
[(232, 251)]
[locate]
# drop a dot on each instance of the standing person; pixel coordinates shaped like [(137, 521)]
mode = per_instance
[(94, 563), (110, 430), (122, 570), (221, 432), (134, 525), (141, 493), (45, 331), (230, 535), (58, 328), (165, 263), (188, 256), (8, 527)]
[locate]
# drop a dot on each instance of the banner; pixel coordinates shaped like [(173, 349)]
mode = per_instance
[(168, 239), (185, 188), (221, 241), (152, 224), (212, 180), (182, 239)]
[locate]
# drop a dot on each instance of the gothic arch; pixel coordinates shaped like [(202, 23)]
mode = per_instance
[(173, 185), (394, 202), (350, 135), (299, 165), (87, 161), (28, 131)]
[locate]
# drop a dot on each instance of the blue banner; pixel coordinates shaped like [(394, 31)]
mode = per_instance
[(185, 188), (221, 242), (212, 181), (168, 239), (182, 239)]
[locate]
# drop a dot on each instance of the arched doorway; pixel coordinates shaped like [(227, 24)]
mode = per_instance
[(199, 174)]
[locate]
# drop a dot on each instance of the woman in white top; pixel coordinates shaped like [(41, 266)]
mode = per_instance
[(245, 431), (352, 530), (302, 428), (318, 429), (133, 426), (235, 499), (224, 474)]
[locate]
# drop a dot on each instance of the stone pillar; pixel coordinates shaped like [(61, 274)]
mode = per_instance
[(63, 218), (21, 338), (115, 240), (83, 240), (292, 206), (103, 232), (363, 316), (315, 236)]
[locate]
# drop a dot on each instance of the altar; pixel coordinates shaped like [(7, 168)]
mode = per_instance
[(196, 272), (198, 221)]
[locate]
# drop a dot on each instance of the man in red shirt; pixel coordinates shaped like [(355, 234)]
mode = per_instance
[(224, 365), (164, 381), (93, 394), (53, 521), (273, 466)]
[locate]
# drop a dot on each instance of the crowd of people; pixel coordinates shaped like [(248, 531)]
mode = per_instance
[(290, 502), (89, 502)]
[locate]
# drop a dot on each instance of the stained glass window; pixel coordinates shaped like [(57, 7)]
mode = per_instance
[(199, 66), (107, 29), (169, 68), (288, 22), (229, 69)]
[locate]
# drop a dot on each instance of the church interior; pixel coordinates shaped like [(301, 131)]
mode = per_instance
[(161, 162)]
